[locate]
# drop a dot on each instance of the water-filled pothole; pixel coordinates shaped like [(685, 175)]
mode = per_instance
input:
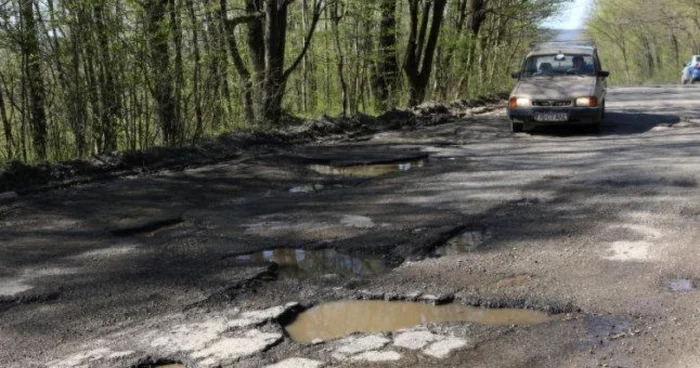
[(465, 242), (338, 319), (369, 170), (299, 263), (161, 363)]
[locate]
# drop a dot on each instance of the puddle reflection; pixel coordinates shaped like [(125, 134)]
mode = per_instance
[(339, 319), (367, 170), (300, 263)]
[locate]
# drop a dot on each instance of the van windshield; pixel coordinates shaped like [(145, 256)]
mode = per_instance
[(558, 65)]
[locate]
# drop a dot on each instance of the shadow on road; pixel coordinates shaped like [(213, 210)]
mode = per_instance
[(615, 123)]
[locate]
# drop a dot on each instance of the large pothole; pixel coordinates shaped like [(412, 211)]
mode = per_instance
[(360, 161), (294, 263), (338, 319), (367, 170)]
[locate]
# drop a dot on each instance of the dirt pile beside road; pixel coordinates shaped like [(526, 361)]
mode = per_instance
[(23, 178)]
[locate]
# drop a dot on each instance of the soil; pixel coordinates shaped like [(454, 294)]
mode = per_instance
[(203, 263)]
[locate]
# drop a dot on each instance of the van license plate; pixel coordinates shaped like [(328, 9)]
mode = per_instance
[(552, 116)]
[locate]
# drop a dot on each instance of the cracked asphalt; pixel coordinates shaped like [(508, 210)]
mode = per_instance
[(195, 267)]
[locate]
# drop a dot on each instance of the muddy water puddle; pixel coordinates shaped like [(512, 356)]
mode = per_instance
[(339, 319), (301, 263), (369, 170), (171, 366)]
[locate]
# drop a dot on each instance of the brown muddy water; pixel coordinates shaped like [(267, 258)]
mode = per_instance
[(338, 319), (300, 263), (366, 171)]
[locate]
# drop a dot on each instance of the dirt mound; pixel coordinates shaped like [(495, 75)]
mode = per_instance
[(23, 178)]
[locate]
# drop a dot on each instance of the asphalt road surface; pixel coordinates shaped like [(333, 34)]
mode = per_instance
[(204, 267)]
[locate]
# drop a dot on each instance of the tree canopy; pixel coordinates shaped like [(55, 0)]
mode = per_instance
[(83, 77), (646, 40)]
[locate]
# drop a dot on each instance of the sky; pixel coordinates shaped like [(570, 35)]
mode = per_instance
[(572, 16)]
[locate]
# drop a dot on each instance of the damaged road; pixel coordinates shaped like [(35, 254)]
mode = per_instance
[(589, 240)]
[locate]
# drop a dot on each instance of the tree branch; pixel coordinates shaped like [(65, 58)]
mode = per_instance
[(230, 25), (318, 10)]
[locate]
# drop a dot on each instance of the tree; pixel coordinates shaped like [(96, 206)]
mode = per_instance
[(79, 78), (420, 51), (639, 39), (267, 22), (387, 79), (34, 77), (161, 72)]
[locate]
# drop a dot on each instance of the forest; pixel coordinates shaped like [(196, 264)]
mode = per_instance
[(643, 41), (85, 77)]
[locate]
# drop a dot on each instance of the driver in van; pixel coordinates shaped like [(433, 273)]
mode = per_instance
[(580, 64)]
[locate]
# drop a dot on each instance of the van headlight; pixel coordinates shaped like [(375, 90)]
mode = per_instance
[(586, 102)]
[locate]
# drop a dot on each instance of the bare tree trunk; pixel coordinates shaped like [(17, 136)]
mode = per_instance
[(477, 15), (178, 70), (241, 69), (275, 42), (199, 120), (108, 93), (387, 79), (305, 62), (256, 47), (223, 68), (94, 99), (212, 83), (7, 126), (336, 17), (269, 76), (160, 70), (419, 54), (78, 107), (35, 82), (24, 109)]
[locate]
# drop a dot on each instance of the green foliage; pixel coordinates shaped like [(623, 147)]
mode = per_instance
[(643, 41), (102, 81)]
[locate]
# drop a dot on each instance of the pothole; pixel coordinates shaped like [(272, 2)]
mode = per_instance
[(679, 285), (160, 364), (146, 226), (300, 263), (367, 170), (338, 319), (465, 242)]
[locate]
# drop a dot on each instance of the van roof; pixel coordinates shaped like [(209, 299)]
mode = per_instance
[(555, 44), (566, 47), (587, 47)]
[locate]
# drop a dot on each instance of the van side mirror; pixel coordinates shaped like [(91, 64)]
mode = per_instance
[(603, 73), (515, 75)]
